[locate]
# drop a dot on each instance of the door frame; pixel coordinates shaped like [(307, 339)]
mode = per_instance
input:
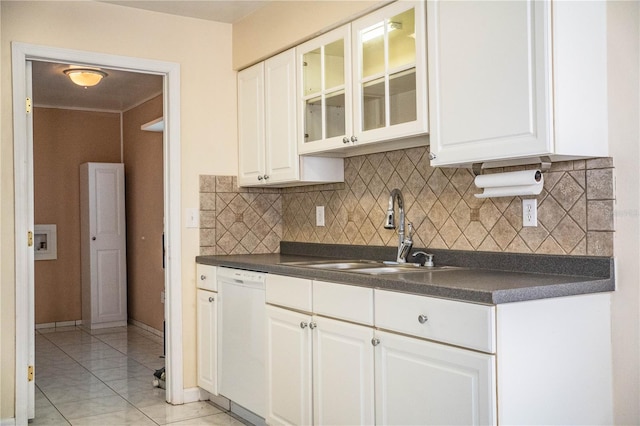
[(24, 200)]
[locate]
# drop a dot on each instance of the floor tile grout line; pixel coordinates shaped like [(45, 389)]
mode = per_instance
[(91, 372)]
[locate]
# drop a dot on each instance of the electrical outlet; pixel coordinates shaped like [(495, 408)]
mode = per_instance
[(319, 215), (530, 212)]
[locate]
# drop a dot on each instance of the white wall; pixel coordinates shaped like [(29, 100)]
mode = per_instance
[(624, 136), (208, 114)]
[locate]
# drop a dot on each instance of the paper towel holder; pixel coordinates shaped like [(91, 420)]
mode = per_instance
[(544, 161)]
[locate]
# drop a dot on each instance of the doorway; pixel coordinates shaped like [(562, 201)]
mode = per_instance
[(24, 207)]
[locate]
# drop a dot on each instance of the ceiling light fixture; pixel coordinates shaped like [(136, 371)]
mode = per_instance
[(85, 77)]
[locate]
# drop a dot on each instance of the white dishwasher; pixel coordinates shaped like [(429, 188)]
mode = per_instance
[(241, 338)]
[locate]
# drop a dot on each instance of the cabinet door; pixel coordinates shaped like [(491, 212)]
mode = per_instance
[(251, 136), (206, 324), (389, 73), (489, 80), (324, 92), (288, 367), (425, 383), (280, 118), (342, 373)]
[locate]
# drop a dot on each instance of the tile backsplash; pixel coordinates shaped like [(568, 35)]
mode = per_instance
[(575, 209)]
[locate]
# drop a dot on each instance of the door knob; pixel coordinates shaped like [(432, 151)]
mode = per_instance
[(303, 324), (375, 341), (422, 319)]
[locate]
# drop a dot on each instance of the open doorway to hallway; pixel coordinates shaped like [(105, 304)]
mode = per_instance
[(73, 125)]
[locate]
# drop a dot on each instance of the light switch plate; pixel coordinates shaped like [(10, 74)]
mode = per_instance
[(530, 212), (193, 218), (319, 215)]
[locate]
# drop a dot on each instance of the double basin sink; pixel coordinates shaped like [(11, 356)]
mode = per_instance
[(370, 267)]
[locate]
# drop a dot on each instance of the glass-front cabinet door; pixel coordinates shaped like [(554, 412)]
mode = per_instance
[(324, 94), (389, 73)]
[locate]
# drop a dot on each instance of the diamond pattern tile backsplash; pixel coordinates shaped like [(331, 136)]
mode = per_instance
[(238, 220), (575, 210)]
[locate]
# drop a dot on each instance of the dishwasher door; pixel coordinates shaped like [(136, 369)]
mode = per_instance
[(241, 338)]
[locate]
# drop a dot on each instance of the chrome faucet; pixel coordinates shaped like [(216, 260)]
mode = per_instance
[(404, 244)]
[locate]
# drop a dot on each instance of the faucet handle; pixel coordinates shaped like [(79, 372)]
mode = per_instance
[(428, 257)]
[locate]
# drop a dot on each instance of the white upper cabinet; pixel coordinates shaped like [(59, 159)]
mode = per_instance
[(365, 83), (324, 91), (390, 73), (268, 153), (516, 79)]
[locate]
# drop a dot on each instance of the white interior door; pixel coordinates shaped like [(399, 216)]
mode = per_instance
[(107, 243)]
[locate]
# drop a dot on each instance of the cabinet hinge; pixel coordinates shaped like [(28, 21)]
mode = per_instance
[(28, 105), (30, 239), (30, 373)]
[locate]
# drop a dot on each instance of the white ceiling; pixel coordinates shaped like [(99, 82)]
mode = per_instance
[(122, 90), (118, 91), (228, 11)]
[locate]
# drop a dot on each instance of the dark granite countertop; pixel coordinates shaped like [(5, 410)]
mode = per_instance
[(509, 278)]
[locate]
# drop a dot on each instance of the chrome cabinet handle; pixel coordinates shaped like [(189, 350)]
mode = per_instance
[(354, 139), (345, 140), (260, 177), (211, 299), (203, 277), (266, 177), (375, 341), (422, 319), (93, 238), (312, 325), (432, 156), (303, 324)]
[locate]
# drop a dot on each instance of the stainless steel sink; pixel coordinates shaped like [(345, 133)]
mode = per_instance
[(400, 269), (371, 267)]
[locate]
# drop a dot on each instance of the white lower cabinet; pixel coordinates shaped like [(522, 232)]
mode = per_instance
[(319, 370), (426, 383), (342, 373), (288, 367), (206, 337), (206, 328)]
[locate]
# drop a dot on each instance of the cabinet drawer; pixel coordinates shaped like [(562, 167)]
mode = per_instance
[(458, 323), (289, 291), (348, 302), (206, 277)]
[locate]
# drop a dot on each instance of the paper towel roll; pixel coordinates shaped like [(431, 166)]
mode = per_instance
[(526, 177), (510, 184)]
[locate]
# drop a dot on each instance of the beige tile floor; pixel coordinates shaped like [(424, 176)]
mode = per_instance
[(104, 377)]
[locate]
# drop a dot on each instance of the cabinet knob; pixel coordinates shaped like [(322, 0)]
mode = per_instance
[(303, 324), (375, 341), (422, 319), (345, 140), (312, 325), (266, 177), (211, 299), (203, 277), (260, 177), (354, 139), (93, 238), (432, 156)]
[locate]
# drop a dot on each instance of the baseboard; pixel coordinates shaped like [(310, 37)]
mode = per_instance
[(8, 422), (192, 395), (145, 327)]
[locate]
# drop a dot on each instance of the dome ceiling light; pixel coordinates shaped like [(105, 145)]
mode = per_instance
[(85, 77)]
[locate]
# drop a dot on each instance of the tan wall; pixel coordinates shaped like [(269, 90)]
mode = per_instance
[(623, 20), (283, 24), (144, 201), (208, 120), (62, 140)]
